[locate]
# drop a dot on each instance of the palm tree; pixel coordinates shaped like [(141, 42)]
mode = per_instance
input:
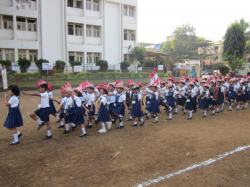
[(245, 25)]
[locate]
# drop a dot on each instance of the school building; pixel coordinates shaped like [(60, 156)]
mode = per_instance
[(68, 30)]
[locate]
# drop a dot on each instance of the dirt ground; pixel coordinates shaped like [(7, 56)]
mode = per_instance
[(142, 153)]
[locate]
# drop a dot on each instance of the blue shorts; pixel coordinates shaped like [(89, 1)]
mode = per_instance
[(43, 114)]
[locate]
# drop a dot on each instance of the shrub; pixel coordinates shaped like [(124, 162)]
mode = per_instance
[(223, 69), (149, 63), (60, 65), (103, 65), (75, 63), (39, 64), (24, 65), (124, 66), (6, 64), (61, 75)]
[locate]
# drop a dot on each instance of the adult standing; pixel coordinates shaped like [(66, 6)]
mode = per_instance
[(193, 72), (153, 76)]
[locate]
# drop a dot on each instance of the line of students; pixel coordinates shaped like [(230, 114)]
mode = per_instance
[(77, 103)]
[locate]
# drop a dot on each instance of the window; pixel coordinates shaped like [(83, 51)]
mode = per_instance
[(31, 25), (79, 57), (9, 55), (125, 10), (8, 22), (33, 56), (79, 4), (129, 35), (88, 5), (70, 3), (21, 24), (89, 31), (89, 58), (21, 54), (96, 32), (126, 58), (131, 12), (76, 56), (71, 57), (78, 30), (70, 29), (96, 57), (96, 5)]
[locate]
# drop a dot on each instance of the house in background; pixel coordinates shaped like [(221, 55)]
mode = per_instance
[(68, 30)]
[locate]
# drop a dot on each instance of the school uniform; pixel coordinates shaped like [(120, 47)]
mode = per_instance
[(244, 95), (213, 96), (83, 98), (119, 108), (90, 98), (221, 91), (170, 97), (14, 118), (68, 108), (231, 93), (248, 92), (239, 94), (103, 114), (61, 115), (44, 111), (162, 92), (148, 96), (203, 104), (77, 117), (181, 100), (136, 106), (195, 96), (129, 96), (51, 104), (190, 101), (153, 106), (111, 101)]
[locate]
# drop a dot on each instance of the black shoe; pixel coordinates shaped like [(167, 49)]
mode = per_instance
[(184, 113), (221, 110), (73, 128), (152, 116), (237, 109), (155, 121), (20, 135), (212, 114), (145, 114), (113, 122), (58, 121), (175, 112), (14, 143), (204, 116), (61, 126), (96, 122), (129, 119), (189, 118), (229, 110), (217, 112), (146, 117), (89, 126), (182, 109), (134, 125), (142, 123), (169, 119), (41, 125), (83, 135), (47, 137), (120, 127), (66, 132)]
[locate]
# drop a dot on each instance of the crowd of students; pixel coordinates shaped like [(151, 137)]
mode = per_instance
[(108, 103)]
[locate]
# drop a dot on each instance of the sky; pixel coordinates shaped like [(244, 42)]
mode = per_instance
[(211, 18)]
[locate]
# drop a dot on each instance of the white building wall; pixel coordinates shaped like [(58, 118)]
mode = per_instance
[(51, 39)]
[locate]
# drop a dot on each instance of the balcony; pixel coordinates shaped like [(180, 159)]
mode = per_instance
[(72, 39), (75, 11), (6, 34), (5, 2), (26, 35), (93, 41)]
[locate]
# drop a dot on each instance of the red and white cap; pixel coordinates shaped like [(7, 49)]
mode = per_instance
[(90, 86), (191, 83), (105, 87), (112, 84), (119, 85), (67, 85), (139, 84), (40, 82)]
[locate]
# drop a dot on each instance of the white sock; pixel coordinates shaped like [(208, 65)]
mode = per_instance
[(83, 130), (15, 137), (39, 121), (135, 122), (95, 119), (18, 133), (170, 108), (213, 111), (246, 105), (218, 109), (90, 124), (62, 123), (148, 114), (205, 112), (131, 117), (48, 132), (73, 125), (238, 106), (170, 115), (176, 110), (230, 107), (156, 118), (57, 118), (142, 119), (185, 110), (191, 114), (223, 104), (112, 119), (67, 127), (107, 122), (120, 116), (121, 124), (103, 126)]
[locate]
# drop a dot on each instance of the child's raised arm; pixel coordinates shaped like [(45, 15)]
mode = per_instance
[(31, 94)]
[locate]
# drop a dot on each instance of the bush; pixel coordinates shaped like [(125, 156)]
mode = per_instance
[(6, 64), (149, 63), (60, 65), (223, 69), (39, 64), (124, 66), (61, 75), (24, 65), (75, 63), (103, 65)]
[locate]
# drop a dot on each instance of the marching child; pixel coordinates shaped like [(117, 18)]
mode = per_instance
[(14, 118), (102, 110), (129, 97), (153, 106), (120, 106), (170, 99), (181, 97), (203, 97), (190, 100), (148, 95), (51, 103), (231, 91), (162, 92), (213, 96), (136, 110), (111, 100), (43, 110), (240, 91), (221, 92), (90, 104), (61, 115)]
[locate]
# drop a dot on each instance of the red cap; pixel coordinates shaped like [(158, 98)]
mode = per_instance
[(154, 69), (40, 82), (128, 82), (139, 84), (152, 74), (67, 85), (117, 82)]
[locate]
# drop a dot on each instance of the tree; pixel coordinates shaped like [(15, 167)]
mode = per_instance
[(244, 25), (149, 63), (138, 53), (223, 69), (6, 64), (103, 65), (60, 65), (234, 46), (24, 65), (39, 64), (124, 66)]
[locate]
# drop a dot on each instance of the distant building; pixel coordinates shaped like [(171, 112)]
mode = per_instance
[(68, 30), (169, 38)]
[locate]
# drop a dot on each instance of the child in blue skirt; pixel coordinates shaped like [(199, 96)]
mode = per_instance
[(190, 100), (51, 103), (136, 110), (148, 95), (120, 106), (240, 94), (203, 97), (102, 110), (181, 96), (213, 97), (231, 93), (221, 94), (90, 104), (61, 115), (153, 106), (14, 118), (43, 110), (245, 94), (170, 98), (111, 100)]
